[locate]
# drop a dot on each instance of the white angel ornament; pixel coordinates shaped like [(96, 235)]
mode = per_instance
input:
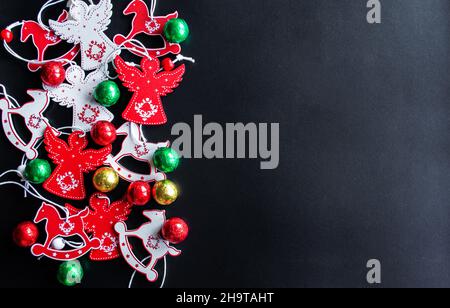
[(77, 94), (86, 27)]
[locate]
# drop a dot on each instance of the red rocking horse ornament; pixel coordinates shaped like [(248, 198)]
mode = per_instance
[(57, 227), (43, 39), (72, 161), (100, 223), (144, 23)]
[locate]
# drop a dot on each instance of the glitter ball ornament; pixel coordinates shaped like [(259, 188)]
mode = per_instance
[(107, 93), (53, 74), (176, 30), (165, 192), (175, 230), (25, 234), (166, 159), (167, 64), (7, 36), (58, 243), (103, 133), (105, 179), (139, 193), (70, 273), (37, 171)]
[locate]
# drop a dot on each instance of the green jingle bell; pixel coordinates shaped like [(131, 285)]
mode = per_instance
[(176, 30), (37, 171), (166, 159), (70, 273), (107, 93)]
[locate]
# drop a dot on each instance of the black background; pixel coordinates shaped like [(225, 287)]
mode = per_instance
[(364, 170)]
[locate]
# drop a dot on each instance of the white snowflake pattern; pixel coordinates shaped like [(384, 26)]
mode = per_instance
[(67, 182)]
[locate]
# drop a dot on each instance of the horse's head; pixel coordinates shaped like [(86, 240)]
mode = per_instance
[(44, 212), (135, 6), (28, 29), (155, 216)]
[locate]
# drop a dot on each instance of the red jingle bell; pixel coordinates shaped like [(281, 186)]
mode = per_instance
[(167, 64), (26, 234), (103, 133), (139, 193), (53, 74), (7, 36), (175, 230)]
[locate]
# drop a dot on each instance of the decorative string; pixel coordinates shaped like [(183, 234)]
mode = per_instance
[(164, 276), (152, 9)]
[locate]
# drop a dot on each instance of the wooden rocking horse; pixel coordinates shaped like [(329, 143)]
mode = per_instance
[(139, 150), (33, 114), (143, 23), (58, 227), (155, 245), (43, 39)]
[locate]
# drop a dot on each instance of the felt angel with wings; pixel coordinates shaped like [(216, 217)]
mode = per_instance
[(72, 160), (87, 27), (148, 85), (77, 94)]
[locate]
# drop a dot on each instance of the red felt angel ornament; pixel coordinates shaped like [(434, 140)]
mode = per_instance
[(100, 223), (148, 85), (72, 161)]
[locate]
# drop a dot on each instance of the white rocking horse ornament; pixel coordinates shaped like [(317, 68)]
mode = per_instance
[(155, 245), (139, 150), (33, 114)]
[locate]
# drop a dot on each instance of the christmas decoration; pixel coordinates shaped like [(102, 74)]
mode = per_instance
[(100, 224), (7, 36), (139, 193), (72, 161), (99, 229), (37, 171), (33, 115), (167, 64), (133, 146), (53, 74), (147, 86), (58, 243), (166, 159), (58, 227), (42, 39), (145, 23), (156, 246), (175, 230), (25, 234), (78, 94), (105, 179), (176, 30), (103, 133), (165, 192), (107, 93), (86, 27), (70, 273)]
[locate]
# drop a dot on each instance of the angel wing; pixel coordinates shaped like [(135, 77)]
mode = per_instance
[(55, 147), (100, 14), (61, 95), (94, 78), (129, 75), (68, 30), (168, 81), (121, 209), (90, 160)]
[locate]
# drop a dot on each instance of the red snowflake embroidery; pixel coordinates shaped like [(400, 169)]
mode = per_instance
[(96, 51)]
